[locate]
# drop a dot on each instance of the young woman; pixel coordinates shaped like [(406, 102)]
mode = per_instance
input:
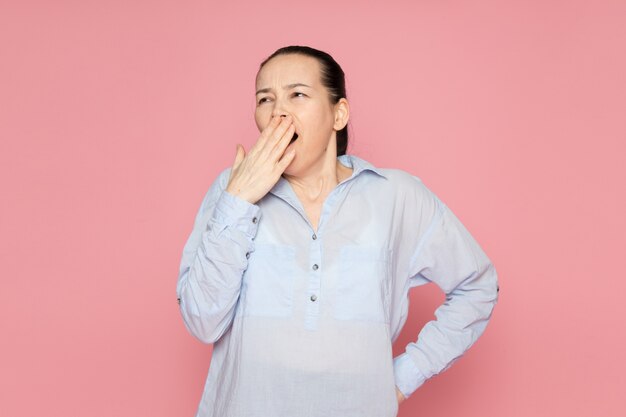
[(301, 258)]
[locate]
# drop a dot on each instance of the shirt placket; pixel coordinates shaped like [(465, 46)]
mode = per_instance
[(314, 286), (314, 294)]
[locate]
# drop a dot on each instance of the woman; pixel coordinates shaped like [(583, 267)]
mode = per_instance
[(301, 258)]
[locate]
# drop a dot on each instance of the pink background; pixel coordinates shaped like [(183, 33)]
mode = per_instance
[(116, 116)]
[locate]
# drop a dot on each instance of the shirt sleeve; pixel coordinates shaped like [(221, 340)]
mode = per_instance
[(214, 259), (449, 256)]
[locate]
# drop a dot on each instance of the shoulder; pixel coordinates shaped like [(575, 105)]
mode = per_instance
[(411, 189), (398, 185), (401, 178), (392, 177), (404, 181)]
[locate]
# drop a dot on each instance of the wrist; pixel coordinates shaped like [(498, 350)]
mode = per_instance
[(237, 193)]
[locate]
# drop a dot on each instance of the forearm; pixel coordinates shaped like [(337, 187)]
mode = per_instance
[(209, 286)]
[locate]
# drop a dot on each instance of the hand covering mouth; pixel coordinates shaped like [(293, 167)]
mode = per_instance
[(295, 136)]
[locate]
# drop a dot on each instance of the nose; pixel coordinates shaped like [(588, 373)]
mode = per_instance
[(280, 108), (278, 115)]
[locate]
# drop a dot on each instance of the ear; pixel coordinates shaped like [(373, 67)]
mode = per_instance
[(342, 114)]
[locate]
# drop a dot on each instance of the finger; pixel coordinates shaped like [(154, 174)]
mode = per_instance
[(266, 134), (278, 141), (241, 153), (286, 160), (284, 141), (280, 130), (269, 129)]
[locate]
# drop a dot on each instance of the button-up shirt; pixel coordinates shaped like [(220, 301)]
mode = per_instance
[(302, 321)]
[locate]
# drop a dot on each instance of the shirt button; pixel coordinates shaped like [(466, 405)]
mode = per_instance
[(315, 267), (313, 297), (254, 220), (314, 236), (247, 255), (178, 300)]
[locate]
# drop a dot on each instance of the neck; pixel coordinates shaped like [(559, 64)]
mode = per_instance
[(319, 180)]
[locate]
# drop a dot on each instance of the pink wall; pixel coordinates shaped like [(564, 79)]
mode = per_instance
[(116, 116)]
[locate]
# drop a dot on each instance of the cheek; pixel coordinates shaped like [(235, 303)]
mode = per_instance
[(325, 117), (258, 119)]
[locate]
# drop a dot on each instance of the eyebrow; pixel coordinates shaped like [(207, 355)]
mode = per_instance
[(286, 87)]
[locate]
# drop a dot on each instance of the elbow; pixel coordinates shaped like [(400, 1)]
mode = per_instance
[(481, 285), (203, 330), (216, 332), (206, 312), (490, 291), (487, 281), (207, 337), (494, 283), (479, 299), (488, 287), (207, 327)]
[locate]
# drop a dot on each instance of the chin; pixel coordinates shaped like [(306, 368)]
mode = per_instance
[(295, 167), (292, 168)]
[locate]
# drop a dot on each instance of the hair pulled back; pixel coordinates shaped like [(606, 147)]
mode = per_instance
[(332, 78)]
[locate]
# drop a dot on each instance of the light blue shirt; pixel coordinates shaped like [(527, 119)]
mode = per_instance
[(303, 321)]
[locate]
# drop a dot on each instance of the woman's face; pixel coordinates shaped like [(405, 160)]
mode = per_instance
[(291, 84)]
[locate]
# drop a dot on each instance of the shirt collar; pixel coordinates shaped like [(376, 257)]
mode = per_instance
[(358, 165)]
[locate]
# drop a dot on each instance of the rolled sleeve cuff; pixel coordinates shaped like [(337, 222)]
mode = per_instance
[(408, 377), (237, 213)]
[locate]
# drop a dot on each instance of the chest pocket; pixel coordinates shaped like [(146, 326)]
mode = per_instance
[(268, 282), (363, 284)]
